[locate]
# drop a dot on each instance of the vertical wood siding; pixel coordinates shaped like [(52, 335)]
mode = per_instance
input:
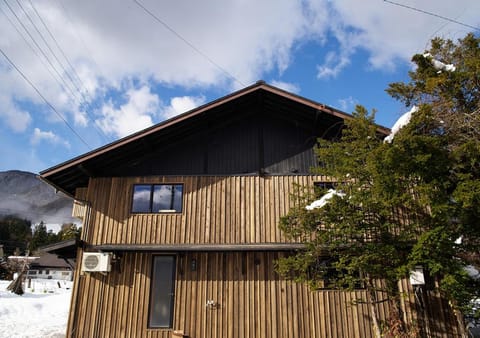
[(216, 210), (252, 301)]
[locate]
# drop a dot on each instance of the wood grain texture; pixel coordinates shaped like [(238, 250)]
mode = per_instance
[(216, 210), (252, 300)]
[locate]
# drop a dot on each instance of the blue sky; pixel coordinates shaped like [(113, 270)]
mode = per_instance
[(109, 68)]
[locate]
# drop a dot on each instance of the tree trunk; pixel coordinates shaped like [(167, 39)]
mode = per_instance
[(372, 301)]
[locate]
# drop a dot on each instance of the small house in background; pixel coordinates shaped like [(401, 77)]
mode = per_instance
[(50, 266), (180, 228)]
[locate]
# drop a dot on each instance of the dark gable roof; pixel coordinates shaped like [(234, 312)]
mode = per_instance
[(272, 102), (65, 249), (50, 261)]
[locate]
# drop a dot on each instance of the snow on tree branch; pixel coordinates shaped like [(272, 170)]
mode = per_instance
[(320, 203), (439, 65), (401, 122)]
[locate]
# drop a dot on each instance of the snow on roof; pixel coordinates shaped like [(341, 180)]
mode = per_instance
[(439, 65), (401, 122), (23, 258), (324, 199)]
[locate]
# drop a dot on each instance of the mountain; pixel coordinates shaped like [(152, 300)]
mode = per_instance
[(24, 195)]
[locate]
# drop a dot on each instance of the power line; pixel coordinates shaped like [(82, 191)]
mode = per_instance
[(432, 14), (85, 100), (188, 43), (69, 77), (58, 47), (77, 33), (81, 99), (43, 97), (42, 52)]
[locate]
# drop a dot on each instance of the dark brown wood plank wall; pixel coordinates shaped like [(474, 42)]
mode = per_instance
[(216, 209), (252, 301)]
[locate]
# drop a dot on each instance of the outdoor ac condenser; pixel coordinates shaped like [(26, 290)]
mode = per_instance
[(96, 262)]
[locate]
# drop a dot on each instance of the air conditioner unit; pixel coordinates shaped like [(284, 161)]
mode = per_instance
[(96, 261)]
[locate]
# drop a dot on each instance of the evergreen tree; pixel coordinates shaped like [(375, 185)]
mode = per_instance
[(14, 233), (412, 201), (69, 231), (41, 237)]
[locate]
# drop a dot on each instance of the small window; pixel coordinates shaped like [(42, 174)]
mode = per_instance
[(162, 292), (157, 198), (322, 187)]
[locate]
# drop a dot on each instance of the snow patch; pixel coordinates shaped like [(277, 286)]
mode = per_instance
[(439, 65), (42, 311), (320, 203), (472, 272), (401, 122)]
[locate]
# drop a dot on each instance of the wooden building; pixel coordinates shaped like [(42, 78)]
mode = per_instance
[(189, 211)]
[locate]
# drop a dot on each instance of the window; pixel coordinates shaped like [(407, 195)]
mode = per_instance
[(162, 292), (321, 188), (153, 198)]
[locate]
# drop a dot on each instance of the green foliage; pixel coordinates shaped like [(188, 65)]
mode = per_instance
[(406, 202), (69, 231), (41, 237), (14, 233)]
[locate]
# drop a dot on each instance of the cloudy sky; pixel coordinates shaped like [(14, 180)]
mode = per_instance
[(75, 75)]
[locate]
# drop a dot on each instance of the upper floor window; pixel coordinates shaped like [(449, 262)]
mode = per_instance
[(157, 198), (320, 188)]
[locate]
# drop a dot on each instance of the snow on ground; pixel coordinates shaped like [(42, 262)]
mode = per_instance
[(42, 311)]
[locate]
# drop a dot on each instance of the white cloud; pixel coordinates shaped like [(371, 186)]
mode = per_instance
[(110, 41), (205, 45), (347, 104), (333, 65), (80, 118), (289, 87), (182, 104), (335, 62), (136, 114), (15, 118), (47, 136), (389, 32)]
